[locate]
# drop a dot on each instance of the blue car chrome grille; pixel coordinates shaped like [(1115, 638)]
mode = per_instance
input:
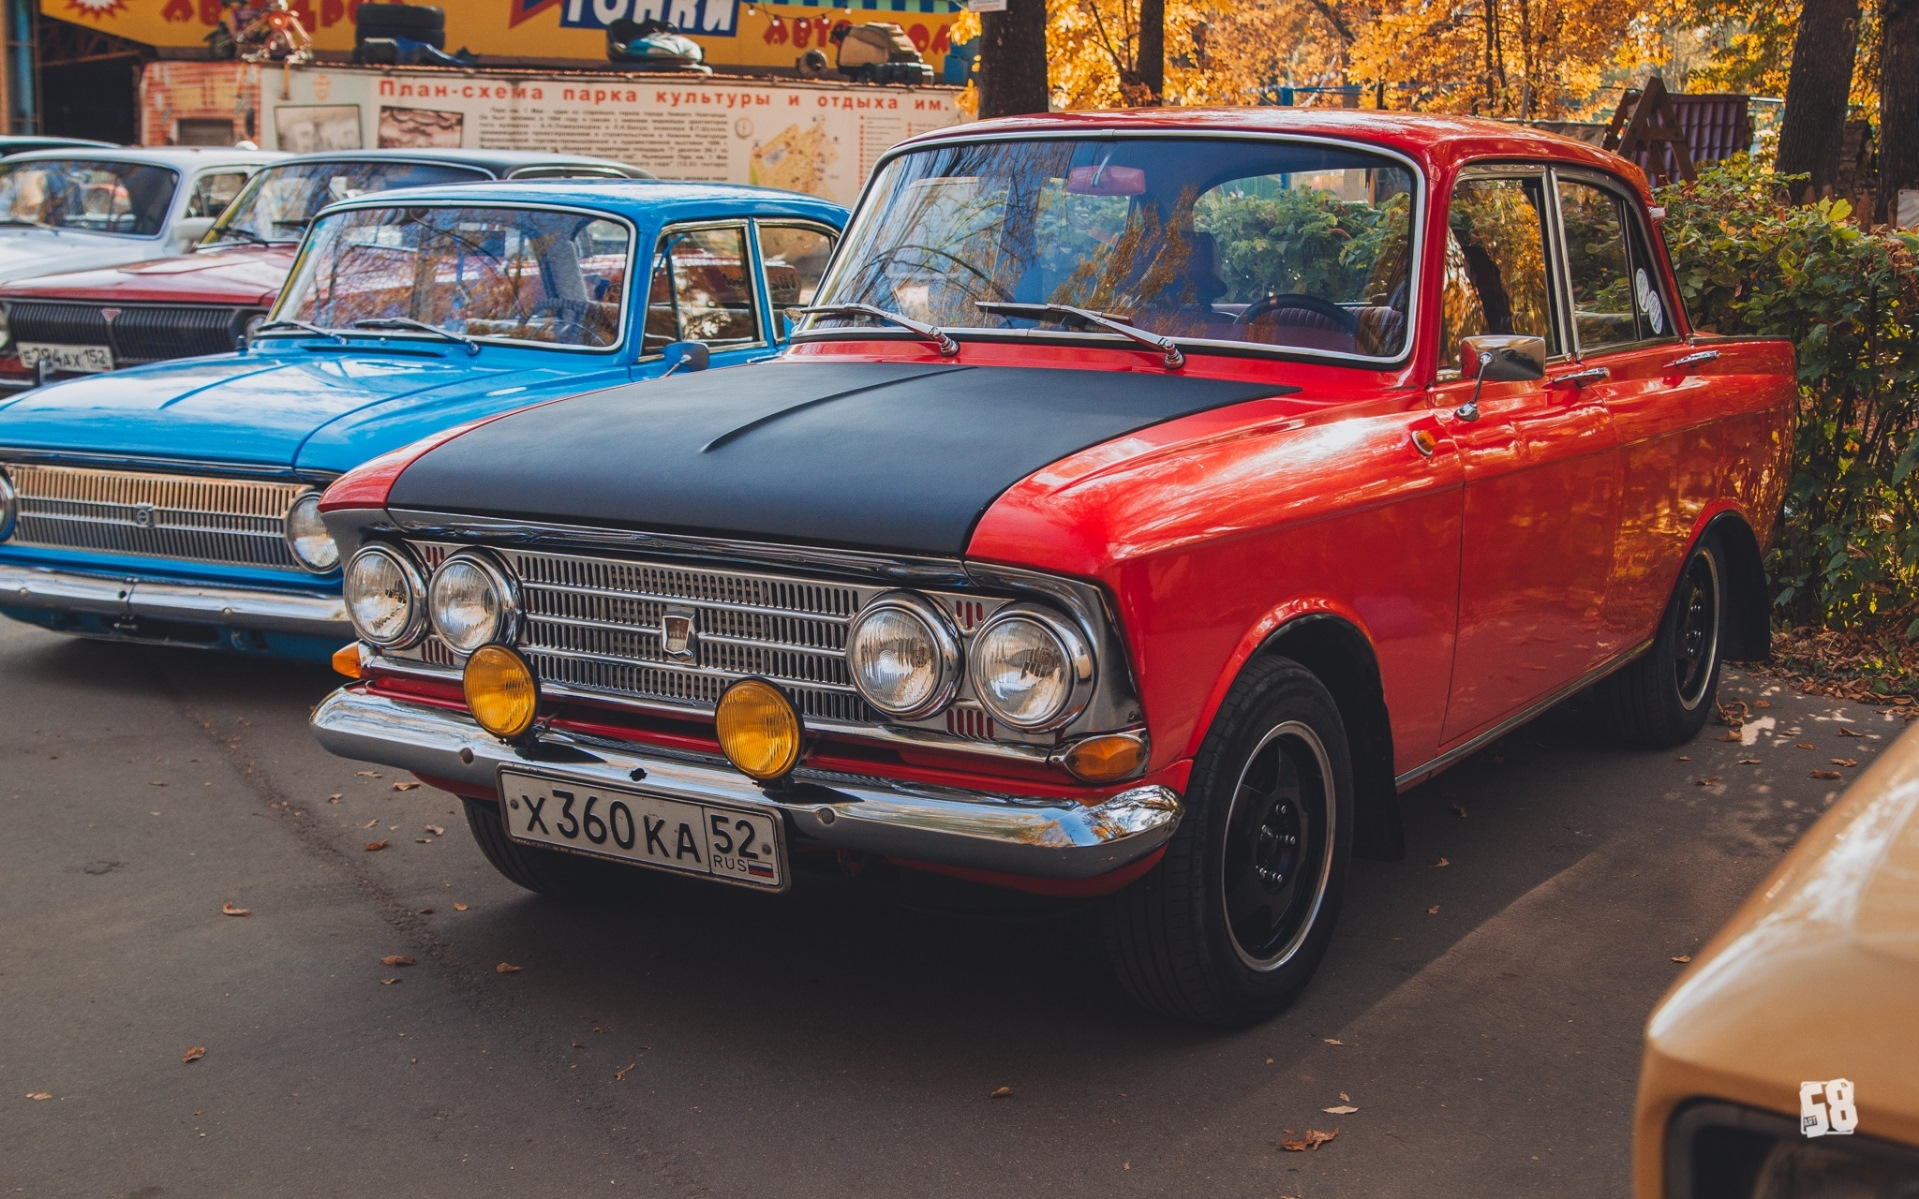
[(231, 522)]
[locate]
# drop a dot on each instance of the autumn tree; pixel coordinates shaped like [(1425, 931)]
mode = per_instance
[(1012, 60), (1812, 130), (1898, 103)]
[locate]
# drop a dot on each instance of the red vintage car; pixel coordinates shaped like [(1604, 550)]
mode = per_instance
[(1148, 500)]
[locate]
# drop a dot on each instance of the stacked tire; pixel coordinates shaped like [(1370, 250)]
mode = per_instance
[(412, 22)]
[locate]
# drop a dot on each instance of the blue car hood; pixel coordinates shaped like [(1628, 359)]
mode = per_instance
[(323, 412)]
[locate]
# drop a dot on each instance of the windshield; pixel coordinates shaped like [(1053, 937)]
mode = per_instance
[(281, 201), (102, 197), (515, 273), (1287, 245)]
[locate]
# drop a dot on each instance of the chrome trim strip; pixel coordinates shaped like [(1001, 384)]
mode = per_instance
[(308, 614), (230, 522), (1012, 834), (1421, 773)]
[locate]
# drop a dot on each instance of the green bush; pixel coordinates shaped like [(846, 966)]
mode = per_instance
[(1748, 263)]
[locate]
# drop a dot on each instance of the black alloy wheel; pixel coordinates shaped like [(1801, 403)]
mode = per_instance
[(1665, 696), (1696, 649), (1276, 859)]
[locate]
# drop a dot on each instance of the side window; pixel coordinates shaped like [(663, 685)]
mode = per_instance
[(1658, 311), (1495, 278), (212, 193), (1598, 267), (701, 290), (795, 258)]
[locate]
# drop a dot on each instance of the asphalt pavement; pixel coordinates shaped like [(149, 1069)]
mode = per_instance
[(1481, 1007)]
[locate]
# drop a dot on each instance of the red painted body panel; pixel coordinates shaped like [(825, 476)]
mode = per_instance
[(235, 275)]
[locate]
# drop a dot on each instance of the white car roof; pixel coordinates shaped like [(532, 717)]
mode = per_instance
[(182, 158)]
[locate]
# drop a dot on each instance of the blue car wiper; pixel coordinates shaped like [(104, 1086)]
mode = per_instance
[(289, 323), (407, 322)]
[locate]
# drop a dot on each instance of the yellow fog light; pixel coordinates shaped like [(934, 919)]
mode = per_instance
[(501, 691), (1106, 758), (759, 730)]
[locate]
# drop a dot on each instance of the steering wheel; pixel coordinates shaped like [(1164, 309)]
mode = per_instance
[(569, 319), (1348, 323)]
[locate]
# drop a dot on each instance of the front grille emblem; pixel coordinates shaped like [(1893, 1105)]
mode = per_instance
[(143, 516), (108, 314), (676, 634)]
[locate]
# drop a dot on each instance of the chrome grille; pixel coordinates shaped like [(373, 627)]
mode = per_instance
[(594, 624), (234, 522)]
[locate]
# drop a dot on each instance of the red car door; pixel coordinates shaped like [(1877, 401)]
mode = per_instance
[(1541, 472)]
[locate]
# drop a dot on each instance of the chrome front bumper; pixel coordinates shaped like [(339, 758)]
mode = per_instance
[(1008, 834), (308, 613)]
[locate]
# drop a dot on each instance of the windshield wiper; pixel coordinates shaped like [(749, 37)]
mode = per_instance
[(25, 220), (933, 333), (241, 231), (407, 322), (1065, 313), (289, 323)]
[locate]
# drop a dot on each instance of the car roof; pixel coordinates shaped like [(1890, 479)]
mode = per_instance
[(20, 143), (1430, 139), (499, 162), (185, 158), (640, 199)]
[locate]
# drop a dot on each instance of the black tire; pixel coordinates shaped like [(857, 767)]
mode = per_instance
[(418, 18), (1189, 938), (1665, 696), (563, 876)]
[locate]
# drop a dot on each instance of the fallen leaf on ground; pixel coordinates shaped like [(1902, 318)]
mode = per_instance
[(1461, 811), (1705, 782), (436, 830), (1749, 762), (1329, 1041), (1442, 862), (375, 846), (1685, 757), (1313, 1139), (1002, 1093), (1761, 703), (405, 786), (152, 783), (195, 1054), (459, 907), (1826, 774), (1844, 762), (1683, 958), (1803, 745), (423, 840), (394, 959), (620, 1074), (1732, 736), (387, 982), (1345, 1098), (39, 1094), (228, 909), (371, 823), (1433, 911), (1846, 732), (366, 774), (333, 798), (1343, 1109), (425, 912), (506, 968)]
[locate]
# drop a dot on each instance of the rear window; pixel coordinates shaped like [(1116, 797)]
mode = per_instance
[(102, 197)]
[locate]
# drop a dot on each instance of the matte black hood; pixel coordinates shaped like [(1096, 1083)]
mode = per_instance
[(872, 455)]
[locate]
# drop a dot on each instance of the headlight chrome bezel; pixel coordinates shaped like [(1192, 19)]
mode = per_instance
[(308, 498), (506, 624), (945, 641), (6, 327), (415, 582), (9, 505), (1073, 646)]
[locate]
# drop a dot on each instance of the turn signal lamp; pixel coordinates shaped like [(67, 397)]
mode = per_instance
[(346, 660), (759, 729), (501, 691), (1106, 758)]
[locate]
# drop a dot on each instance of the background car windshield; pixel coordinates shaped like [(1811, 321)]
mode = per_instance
[(1287, 245), (281, 201), (104, 197), (524, 274)]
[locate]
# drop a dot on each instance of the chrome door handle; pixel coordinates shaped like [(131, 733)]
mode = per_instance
[(1596, 374), (1697, 358)]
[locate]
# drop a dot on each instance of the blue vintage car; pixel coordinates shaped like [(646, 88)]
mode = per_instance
[(178, 502)]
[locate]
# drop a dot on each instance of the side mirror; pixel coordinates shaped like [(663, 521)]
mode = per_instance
[(188, 231), (685, 355), (1502, 358)]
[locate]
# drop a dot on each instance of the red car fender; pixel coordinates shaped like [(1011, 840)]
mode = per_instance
[(1261, 632)]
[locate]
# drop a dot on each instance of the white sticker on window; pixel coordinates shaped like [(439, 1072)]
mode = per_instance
[(1648, 297)]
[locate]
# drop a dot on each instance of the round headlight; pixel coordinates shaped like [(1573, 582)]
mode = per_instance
[(385, 596), (1029, 668), (472, 603), (307, 537), (759, 729), (9, 506), (904, 656), (501, 691), (247, 330), (6, 328)]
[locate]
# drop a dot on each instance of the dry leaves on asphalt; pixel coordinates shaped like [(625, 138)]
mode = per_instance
[(406, 786), (1441, 862), (387, 982), (334, 798), (620, 1074), (1705, 782), (1002, 1093), (1433, 911), (424, 912), (1312, 1140), (436, 830), (1749, 762), (1761, 703), (1683, 958), (1844, 762), (394, 959), (371, 823), (366, 774), (1826, 774), (1328, 1040), (1460, 811), (195, 1054), (506, 968), (1846, 732), (376, 846), (459, 907), (39, 1094), (1803, 745), (227, 909), (1341, 1109), (1684, 758)]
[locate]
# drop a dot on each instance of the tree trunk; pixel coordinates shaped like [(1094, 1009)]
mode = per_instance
[(1152, 49), (1898, 103), (1012, 60), (1812, 130)]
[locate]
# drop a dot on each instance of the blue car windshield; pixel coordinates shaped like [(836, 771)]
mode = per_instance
[(102, 197), (280, 202), (515, 274), (1290, 245)]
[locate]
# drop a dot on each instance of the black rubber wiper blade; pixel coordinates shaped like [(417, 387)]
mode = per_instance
[(242, 232), (1067, 314), (290, 323), (407, 322), (933, 333)]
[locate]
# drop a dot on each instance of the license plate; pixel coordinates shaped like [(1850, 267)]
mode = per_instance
[(85, 359), (735, 845)]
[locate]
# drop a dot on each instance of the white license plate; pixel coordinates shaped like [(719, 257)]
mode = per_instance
[(735, 845), (87, 359)]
